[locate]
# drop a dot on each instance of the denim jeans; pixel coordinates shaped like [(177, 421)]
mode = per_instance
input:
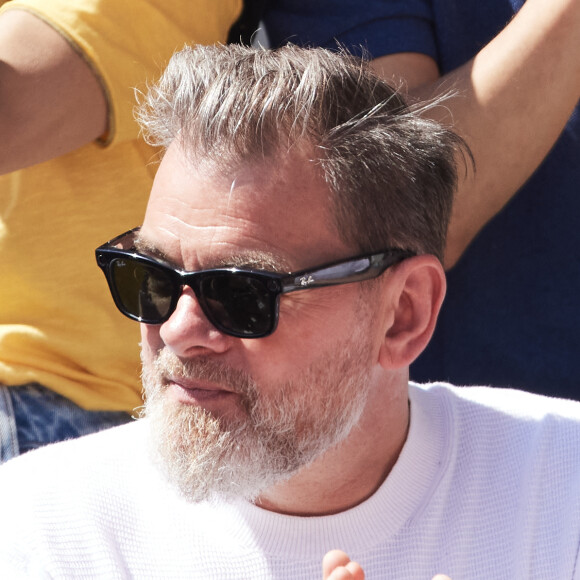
[(32, 415)]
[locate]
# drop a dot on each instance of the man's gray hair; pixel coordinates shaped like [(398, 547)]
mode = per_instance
[(392, 171)]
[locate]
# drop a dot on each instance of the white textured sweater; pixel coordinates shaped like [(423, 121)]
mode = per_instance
[(487, 486)]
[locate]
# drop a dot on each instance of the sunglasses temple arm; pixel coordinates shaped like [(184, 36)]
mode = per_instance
[(356, 270)]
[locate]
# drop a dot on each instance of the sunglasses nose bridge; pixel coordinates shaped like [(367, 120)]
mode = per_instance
[(190, 280), (193, 281), (194, 308), (188, 329)]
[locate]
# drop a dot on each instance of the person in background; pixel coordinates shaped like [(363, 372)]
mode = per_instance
[(74, 170), (286, 274), (511, 316)]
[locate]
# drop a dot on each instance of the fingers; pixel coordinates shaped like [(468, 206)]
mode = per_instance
[(336, 565), (332, 560)]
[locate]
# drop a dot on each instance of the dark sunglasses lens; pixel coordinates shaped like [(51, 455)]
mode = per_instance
[(239, 304), (143, 291)]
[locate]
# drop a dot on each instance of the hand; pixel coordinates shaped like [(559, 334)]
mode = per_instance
[(336, 565)]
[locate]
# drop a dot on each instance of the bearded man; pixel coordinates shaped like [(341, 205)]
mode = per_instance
[(286, 274)]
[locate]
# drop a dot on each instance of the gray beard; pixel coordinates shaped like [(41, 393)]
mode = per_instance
[(269, 440)]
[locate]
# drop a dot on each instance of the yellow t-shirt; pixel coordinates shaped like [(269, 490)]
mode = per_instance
[(58, 324)]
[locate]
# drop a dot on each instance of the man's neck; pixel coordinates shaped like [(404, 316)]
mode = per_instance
[(352, 471)]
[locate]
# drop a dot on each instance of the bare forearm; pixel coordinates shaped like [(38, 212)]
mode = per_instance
[(512, 101), (50, 101)]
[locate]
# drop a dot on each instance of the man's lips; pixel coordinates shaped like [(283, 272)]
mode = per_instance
[(197, 390)]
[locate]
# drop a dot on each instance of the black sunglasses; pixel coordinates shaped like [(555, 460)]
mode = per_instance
[(237, 301)]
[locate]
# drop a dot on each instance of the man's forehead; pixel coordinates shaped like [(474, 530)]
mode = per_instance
[(243, 185), (274, 214)]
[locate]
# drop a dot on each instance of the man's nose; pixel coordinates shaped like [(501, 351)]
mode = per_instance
[(188, 331)]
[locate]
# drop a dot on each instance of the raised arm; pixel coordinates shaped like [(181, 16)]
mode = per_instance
[(513, 100), (51, 101)]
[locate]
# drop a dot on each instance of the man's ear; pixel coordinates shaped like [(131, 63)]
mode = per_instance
[(415, 290)]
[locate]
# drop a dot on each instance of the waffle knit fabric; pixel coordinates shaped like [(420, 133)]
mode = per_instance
[(487, 486)]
